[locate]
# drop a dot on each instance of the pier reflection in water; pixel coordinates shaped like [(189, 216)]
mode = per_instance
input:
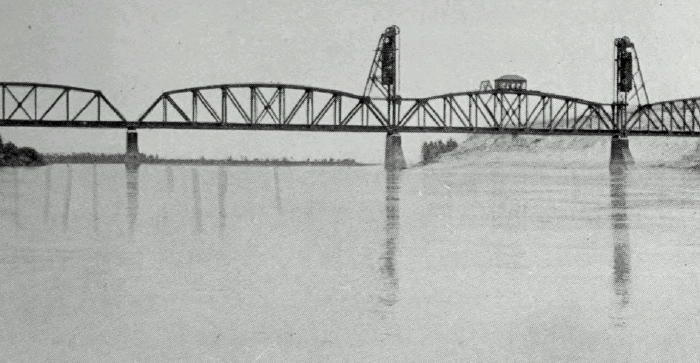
[(387, 268), (621, 240), (132, 196)]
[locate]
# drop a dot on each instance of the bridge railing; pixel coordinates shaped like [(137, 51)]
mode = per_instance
[(23, 103)]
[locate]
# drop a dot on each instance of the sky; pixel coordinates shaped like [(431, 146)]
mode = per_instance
[(135, 50)]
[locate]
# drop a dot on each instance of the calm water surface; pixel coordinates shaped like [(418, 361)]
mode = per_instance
[(497, 263)]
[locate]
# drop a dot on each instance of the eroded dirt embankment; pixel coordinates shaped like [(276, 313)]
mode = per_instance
[(569, 151)]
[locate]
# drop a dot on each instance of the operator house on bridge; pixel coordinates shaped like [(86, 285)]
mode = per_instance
[(510, 81)]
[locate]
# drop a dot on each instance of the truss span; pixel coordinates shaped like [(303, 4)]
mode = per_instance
[(511, 111), (40, 104), (263, 106), (680, 117)]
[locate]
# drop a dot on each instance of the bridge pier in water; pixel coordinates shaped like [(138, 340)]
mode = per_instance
[(393, 153), (132, 146), (620, 155)]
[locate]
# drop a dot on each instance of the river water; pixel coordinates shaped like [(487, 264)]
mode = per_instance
[(476, 263)]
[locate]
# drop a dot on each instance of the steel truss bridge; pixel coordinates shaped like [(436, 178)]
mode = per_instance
[(380, 108), (284, 107)]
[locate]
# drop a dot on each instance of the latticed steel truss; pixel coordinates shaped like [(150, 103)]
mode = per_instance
[(28, 104), (292, 107), (259, 106), (676, 117)]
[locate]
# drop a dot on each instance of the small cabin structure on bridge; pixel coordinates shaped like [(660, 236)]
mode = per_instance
[(511, 81)]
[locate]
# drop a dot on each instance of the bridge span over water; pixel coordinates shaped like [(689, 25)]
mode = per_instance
[(380, 108)]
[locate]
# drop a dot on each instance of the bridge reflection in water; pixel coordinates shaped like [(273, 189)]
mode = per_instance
[(67, 197), (132, 196), (278, 195), (621, 239), (390, 282), (95, 201), (15, 204), (196, 202), (222, 191), (47, 194)]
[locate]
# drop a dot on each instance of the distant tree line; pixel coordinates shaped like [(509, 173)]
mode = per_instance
[(11, 155), (102, 158), (433, 149)]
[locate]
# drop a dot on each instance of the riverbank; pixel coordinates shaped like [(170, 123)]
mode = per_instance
[(11, 156), (566, 151)]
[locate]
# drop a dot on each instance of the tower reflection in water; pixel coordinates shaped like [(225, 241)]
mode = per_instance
[(621, 240), (390, 282), (132, 196)]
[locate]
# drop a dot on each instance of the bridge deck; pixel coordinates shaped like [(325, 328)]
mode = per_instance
[(334, 128)]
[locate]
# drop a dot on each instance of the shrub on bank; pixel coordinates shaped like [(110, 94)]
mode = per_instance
[(433, 149), (11, 155)]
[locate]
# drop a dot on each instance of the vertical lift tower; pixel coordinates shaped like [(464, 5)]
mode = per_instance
[(628, 87), (384, 77)]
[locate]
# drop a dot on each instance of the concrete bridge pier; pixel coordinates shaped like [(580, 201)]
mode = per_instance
[(393, 153), (132, 146), (620, 155)]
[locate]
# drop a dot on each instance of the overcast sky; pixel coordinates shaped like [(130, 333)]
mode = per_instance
[(134, 50)]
